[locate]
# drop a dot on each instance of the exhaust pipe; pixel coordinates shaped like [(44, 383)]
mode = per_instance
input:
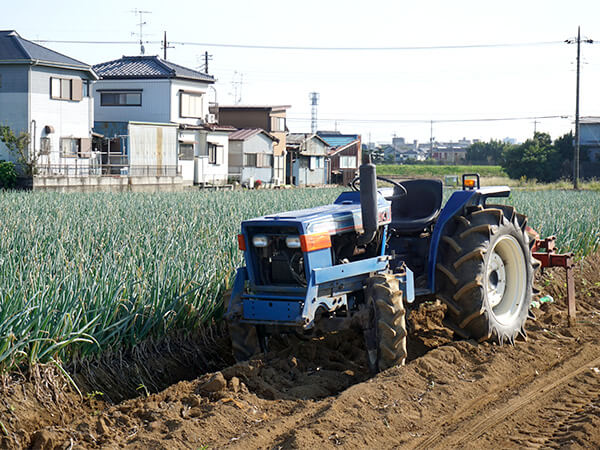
[(368, 200)]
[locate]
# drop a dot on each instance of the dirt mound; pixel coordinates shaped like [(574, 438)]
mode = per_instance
[(543, 392)]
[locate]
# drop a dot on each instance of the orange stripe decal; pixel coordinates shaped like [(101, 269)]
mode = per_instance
[(312, 242)]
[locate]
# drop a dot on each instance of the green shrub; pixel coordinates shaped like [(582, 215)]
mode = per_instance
[(8, 174)]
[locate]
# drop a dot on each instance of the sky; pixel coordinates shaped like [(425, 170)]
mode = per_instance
[(379, 93)]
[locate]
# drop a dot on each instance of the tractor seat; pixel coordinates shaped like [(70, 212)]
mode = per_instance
[(419, 208)]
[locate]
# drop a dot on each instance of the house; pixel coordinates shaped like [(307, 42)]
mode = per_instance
[(156, 94), (309, 158), (47, 94), (589, 137), (251, 156), (271, 119), (344, 154), (450, 152)]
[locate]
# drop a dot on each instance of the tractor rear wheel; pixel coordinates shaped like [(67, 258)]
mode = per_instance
[(485, 274), (386, 335)]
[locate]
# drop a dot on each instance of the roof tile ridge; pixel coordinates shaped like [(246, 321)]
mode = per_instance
[(165, 65)]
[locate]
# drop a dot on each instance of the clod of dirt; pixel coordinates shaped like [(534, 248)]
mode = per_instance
[(43, 440), (216, 383)]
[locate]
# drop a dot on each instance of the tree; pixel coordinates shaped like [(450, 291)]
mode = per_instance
[(565, 147), (486, 151), (536, 159), (18, 146)]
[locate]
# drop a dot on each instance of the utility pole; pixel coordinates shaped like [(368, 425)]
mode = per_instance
[(535, 122), (577, 137), (207, 58), (141, 24), (165, 46)]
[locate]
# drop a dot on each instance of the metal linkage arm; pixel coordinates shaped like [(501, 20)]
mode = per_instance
[(544, 250)]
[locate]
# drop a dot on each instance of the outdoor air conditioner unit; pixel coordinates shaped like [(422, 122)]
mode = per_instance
[(211, 118)]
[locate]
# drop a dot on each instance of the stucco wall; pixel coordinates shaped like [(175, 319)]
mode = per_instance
[(177, 86), (69, 118), (156, 101)]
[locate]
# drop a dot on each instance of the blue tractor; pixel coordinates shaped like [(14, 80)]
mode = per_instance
[(376, 252)]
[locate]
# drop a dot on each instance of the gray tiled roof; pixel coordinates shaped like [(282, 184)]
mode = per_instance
[(135, 67), (247, 133), (14, 48)]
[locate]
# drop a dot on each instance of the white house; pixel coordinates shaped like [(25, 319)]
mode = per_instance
[(47, 95), (151, 90), (251, 155)]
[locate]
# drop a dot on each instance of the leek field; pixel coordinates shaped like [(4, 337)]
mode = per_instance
[(84, 273)]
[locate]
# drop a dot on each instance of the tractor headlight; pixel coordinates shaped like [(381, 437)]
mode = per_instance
[(260, 241), (292, 241)]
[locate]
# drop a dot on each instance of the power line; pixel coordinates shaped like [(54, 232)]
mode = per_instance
[(312, 48), (429, 121)]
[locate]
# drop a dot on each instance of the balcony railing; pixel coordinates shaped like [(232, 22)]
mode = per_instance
[(124, 170)]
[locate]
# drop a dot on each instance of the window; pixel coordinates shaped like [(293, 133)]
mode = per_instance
[(86, 89), (250, 159), (347, 162), (66, 88), (69, 147), (215, 153), (45, 146), (190, 104), (278, 123), (121, 98), (315, 162), (264, 160), (186, 152)]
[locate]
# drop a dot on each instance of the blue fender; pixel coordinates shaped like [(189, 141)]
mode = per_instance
[(455, 204)]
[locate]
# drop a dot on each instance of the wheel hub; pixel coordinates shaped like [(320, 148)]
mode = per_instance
[(496, 274)]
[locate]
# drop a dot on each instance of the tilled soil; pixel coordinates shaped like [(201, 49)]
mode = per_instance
[(543, 392)]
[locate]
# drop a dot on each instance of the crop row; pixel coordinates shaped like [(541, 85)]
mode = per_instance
[(82, 273)]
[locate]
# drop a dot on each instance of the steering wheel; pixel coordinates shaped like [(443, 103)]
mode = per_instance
[(354, 187)]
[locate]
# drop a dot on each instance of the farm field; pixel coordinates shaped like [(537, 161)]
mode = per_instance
[(430, 170), (85, 275)]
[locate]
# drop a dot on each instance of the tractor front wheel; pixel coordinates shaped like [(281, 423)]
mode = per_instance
[(485, 273), (386, 332), (244, 337)]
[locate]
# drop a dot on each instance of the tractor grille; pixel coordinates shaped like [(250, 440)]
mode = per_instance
[(276, 264)]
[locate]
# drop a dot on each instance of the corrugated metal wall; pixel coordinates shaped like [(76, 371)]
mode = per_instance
[(152, 145)]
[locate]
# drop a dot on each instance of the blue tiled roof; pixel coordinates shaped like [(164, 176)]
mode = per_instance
[(14, 48), (134, 67), (336, 139)]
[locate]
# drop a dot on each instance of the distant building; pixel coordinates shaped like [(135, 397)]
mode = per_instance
[(450, 152), (345, 155), (251, 156), (271, 119), (589, 137), (47, 94), (157, 93), (309, 159)]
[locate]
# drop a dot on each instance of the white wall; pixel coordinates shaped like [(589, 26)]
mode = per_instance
[(178, 85), (69, 118), (156, 101)]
